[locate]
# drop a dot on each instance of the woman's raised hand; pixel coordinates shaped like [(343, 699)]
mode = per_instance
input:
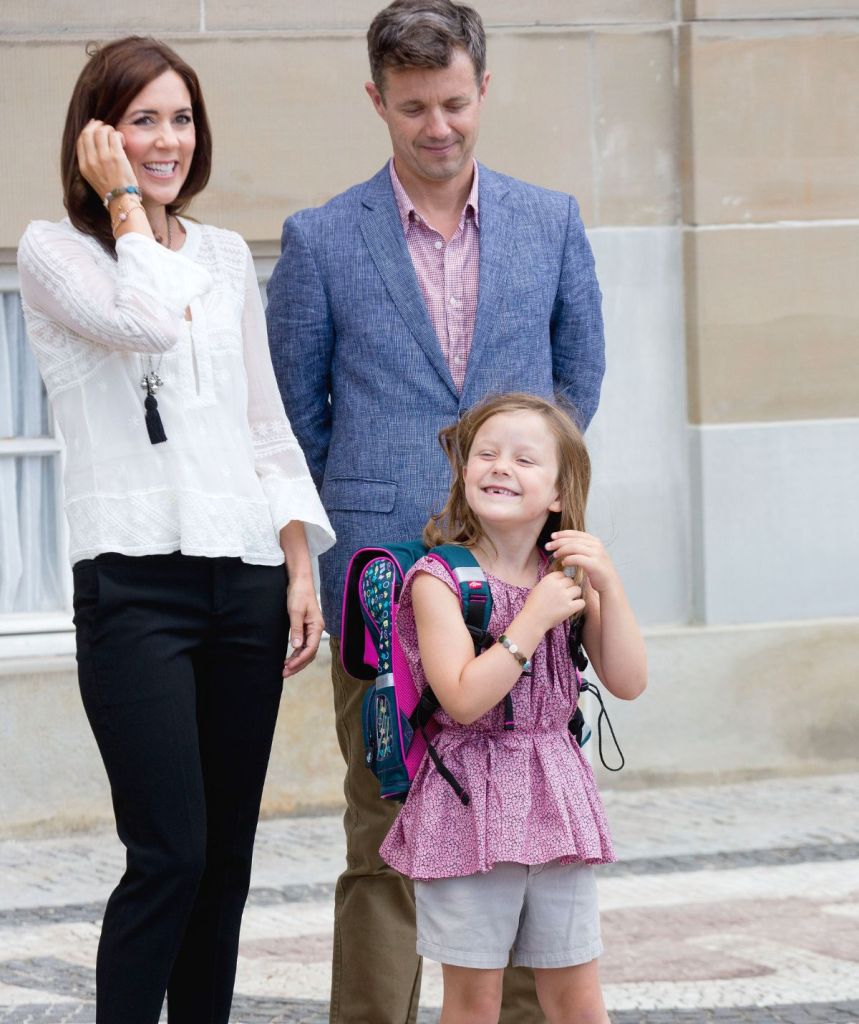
[(101, 157)]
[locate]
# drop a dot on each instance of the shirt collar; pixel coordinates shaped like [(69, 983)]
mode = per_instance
[(406, 208)]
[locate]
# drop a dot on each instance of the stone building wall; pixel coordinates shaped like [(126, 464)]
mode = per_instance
[(714, 148)]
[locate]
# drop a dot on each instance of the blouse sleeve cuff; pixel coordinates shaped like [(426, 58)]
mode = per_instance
[(298, 499), (168, 276)]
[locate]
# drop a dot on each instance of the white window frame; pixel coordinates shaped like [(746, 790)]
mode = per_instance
[(39, 635)]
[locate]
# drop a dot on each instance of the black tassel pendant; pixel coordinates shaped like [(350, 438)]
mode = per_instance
[(154, 427)]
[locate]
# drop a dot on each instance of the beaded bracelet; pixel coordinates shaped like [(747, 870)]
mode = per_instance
[(115, 193), (508, 645), (122, 216)]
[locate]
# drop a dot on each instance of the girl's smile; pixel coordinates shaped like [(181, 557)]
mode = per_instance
[(504, 491), (512, 470)]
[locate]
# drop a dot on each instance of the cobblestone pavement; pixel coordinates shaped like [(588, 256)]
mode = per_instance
[(736, 904)]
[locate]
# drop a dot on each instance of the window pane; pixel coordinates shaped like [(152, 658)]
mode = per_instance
[(30, 573), (23, 402), (30, 576)]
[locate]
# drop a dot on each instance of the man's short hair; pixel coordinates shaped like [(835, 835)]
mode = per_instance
[(424, 34)]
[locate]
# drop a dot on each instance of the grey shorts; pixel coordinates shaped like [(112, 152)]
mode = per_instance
[(547, 914)]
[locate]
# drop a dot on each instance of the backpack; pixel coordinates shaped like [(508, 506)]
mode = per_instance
[(397, 722)]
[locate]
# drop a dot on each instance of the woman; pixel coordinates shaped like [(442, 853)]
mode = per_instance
[(185, 493)]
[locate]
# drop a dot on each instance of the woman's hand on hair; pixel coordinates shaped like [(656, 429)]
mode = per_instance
[(305, 623), (555, 598), (101, 157), (577, 549)]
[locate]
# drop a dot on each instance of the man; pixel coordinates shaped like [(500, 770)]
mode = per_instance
[(393, 308)]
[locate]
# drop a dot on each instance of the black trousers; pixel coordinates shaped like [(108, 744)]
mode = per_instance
[(180, 661)]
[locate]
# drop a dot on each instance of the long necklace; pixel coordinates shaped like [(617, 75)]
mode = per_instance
[(160, 238), (151, 381)]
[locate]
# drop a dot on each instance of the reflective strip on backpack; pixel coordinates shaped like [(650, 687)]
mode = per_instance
[(468, 573), (382, 682)]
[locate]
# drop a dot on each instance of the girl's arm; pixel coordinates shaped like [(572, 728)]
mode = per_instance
[(611, 635), (468, 686)]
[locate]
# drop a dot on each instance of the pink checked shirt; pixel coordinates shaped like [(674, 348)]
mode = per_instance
[(447, 273)]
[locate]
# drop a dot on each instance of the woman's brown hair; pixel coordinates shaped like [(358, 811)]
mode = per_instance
[(457, 524), (114, 74)]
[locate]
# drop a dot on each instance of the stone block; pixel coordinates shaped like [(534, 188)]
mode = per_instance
[(119, 17), (702, 10), (293, 135), (301, 15), (53, 777), (771, 124), (772, 323), (36, 82), (306, 768), (737, 702), (536, 123), (299, 130), (635, 128), (581, 12), (309, 15), (639, 498), (775, 508)]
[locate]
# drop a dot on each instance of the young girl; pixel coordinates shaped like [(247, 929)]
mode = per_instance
[(512, 869)]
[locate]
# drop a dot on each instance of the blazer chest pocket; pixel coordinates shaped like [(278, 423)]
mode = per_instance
[(356, 494)]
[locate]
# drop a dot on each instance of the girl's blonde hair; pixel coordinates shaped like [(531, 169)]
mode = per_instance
[(457, 524)]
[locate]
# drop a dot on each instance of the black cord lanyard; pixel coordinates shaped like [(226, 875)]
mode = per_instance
[(587, 687)]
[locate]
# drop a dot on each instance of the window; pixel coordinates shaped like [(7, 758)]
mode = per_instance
[(34, 577)]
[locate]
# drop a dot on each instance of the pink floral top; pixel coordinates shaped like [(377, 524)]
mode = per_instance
[(533, 794)]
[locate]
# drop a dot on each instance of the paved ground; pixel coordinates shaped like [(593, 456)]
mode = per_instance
[(731, 904)]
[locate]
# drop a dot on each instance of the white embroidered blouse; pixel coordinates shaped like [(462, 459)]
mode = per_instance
[(231, 473)]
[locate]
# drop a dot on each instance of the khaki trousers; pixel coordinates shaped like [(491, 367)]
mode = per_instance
[(376, 973)]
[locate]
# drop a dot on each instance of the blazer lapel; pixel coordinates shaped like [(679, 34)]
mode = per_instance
[(496, 233), (383, 235)]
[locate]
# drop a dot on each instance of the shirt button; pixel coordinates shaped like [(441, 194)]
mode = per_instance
[(453, 301), (457, 360), (438, 245)]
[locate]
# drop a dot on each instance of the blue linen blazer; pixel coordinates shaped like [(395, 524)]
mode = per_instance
[(360, 369)]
